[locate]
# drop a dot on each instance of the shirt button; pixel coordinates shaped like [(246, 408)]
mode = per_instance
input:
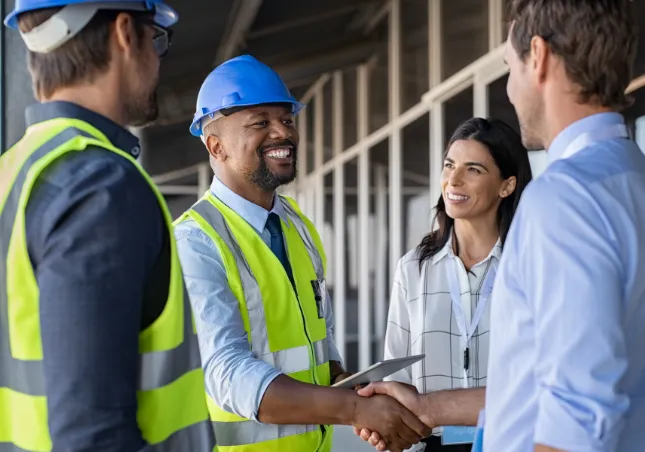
[(136, 151)]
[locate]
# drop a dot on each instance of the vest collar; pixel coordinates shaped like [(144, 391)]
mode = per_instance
[(119, 136)]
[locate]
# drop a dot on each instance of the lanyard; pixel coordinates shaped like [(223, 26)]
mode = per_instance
[(465, 330), (600, 134)]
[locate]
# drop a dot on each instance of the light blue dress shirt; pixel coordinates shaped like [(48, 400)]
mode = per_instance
[(234, 377), (567, 364)]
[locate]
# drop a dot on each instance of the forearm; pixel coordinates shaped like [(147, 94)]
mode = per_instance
[(452, 407), (288, 401), (542, 448)]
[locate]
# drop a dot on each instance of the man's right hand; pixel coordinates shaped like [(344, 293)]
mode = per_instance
[(398, 427), (404, 393)]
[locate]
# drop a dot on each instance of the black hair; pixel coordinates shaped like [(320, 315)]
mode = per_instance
[(511, 157)]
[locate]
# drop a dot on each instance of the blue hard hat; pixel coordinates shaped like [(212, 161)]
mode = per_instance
[(240, 82), (164, 15)]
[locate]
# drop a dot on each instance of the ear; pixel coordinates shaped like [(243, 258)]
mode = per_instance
[(125, 34), (508, 187), (215, 148), (539, 55)]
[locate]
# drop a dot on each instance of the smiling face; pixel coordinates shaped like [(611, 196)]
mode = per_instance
[(471, 183), (258, 145)]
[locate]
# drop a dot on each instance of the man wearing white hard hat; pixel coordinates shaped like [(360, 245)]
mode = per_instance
[(255, 269), (97, 348)]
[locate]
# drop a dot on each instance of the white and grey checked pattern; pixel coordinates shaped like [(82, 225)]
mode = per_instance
[(421, 320)]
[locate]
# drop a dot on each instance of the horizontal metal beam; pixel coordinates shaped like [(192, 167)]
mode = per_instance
[(300, 21), (178, 104), (240, 21)]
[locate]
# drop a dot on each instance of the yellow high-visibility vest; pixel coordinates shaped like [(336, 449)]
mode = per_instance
[(286, 328), (172, 412)]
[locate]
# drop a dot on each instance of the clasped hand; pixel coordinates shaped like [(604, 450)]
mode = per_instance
[(393, 422)]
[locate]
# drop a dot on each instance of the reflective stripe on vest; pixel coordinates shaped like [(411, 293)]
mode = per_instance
[(158, 369), (191, 438), (287, 361), (22, 376)]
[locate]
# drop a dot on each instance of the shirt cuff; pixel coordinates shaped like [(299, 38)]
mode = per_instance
[(334, 355), (262, 385), (567, 422)]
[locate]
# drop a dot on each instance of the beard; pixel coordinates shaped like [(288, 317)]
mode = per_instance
[(142, 111), (531, 125), (268, 180)]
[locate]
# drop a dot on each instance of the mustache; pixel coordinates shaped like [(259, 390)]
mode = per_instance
[(285, 142)]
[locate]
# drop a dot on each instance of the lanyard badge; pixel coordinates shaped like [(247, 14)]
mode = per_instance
[(466, 331)]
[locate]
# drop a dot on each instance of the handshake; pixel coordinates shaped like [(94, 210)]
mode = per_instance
[(392, 416)]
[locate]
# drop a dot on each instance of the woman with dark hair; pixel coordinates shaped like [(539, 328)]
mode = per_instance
[(439, 304)]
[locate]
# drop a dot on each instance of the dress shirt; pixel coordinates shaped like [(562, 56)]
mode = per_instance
[(567, 367), (100, 250), (421, 320), (234, 377)]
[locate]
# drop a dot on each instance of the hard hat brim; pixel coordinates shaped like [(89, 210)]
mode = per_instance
[(197, 131), (165, 16)]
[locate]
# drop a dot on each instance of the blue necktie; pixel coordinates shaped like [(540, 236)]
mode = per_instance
[(277, 243)]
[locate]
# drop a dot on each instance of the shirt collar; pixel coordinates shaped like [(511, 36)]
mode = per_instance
[(584, 125), (496, 252), (253, 214), (119, 136)]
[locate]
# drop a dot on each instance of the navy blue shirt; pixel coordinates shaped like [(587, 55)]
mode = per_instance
[(100, 252)]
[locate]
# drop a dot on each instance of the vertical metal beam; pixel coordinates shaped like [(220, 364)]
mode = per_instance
[(302, 149), (340, 291), (319, 179), (435, 42), (396, 180), (338, 111), (381, 286), (480, 97), (436, 150), (203, 178), (495, 23), (364, 306)]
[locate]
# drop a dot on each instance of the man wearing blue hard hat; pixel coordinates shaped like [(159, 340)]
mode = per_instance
[(254, 266), (97, 346)]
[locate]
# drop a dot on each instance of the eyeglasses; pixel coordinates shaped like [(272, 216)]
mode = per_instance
[(161, 40)]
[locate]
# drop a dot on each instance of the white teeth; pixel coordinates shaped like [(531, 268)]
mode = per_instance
[(454, 197), (278, 153)]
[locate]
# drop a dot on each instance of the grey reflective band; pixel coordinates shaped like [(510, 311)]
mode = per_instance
[(252, 295), (9, 447), (161, 368), (321, 351), (251, 432), (302, 229), (68, 22), (196, 437), (22, 376)]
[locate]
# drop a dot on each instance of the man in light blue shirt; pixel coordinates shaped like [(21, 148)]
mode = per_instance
[(567, 365), (223, 340)]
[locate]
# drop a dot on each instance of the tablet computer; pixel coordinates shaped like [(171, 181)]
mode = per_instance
[(378, 371)]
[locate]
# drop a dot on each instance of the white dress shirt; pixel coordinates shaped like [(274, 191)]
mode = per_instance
[(421, 320)]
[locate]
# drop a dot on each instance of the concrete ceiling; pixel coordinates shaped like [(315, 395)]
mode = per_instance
[(300, 39)]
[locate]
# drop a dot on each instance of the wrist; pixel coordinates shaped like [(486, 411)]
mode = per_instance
[(356, 406), (429, 409)]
